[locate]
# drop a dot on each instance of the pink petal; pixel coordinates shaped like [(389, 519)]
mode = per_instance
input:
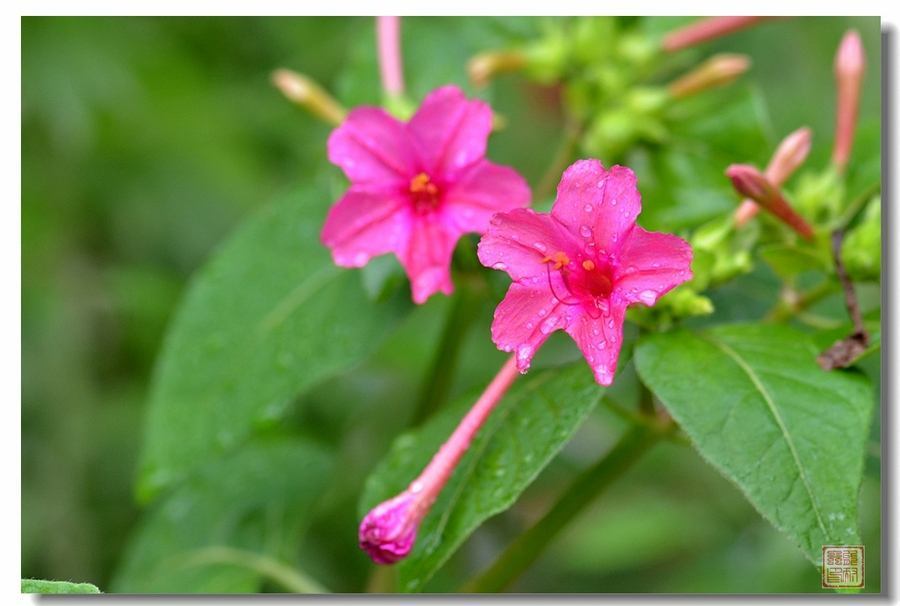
[(524, 319), (428, 255), (597, 205), (482, 190), (450, 132), (372, 147), (364, 224), (600, 339), (651, 264), (518, 242)]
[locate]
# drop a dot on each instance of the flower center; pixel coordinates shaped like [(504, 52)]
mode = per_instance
[(597, 281), (588, 282), (424, 192)]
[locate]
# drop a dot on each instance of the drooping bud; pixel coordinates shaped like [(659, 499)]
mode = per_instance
[(484, 66), (718, 70), (306, 93), (388, 532), (849, 66), (789, 156), (748, 181), (706, 29), (390, 59)]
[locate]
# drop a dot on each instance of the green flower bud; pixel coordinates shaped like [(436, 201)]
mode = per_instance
[(861, 250)]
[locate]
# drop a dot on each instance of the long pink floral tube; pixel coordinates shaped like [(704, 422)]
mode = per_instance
[(707, 29), (389, 58), (388, 532)]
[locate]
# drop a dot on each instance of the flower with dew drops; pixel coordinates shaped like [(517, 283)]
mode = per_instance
[(579, 267), (416, 187)]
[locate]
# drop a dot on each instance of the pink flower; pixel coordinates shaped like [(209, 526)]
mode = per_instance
[(416, 187), (579, 267)]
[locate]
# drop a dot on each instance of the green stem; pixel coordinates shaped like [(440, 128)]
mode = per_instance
[(436, 387), (525, 549), (559, 163), (291, 579), (785, 309)]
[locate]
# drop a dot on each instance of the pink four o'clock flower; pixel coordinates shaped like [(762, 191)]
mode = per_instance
[(416, 187), (579, 267)]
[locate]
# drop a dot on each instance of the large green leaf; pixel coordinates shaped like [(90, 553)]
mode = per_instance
[(210, 535), (39, 586), (268, 316), (525, 432), (761, 411)]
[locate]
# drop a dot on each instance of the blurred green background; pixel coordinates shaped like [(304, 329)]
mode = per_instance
[(146, 140)]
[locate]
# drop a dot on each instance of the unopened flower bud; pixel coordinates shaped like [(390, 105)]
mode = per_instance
[(718, 70), (748, 181), (306, 93), (388, 532), (849, 66), (706, 29), (484, 66), (791, 153)]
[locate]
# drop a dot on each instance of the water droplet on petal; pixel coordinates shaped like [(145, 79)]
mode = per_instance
[(548, 325), (540, 246), (647, 297), (585, 231), (524, 352), (595, 331), (609, 323), (542, 312), (588, 208), (499, 265)]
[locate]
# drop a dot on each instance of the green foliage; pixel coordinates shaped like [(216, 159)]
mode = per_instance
[(268, 317), (760, 410), (38, 586), (862, 247), (209, 535), (530, 426), (146, 141)]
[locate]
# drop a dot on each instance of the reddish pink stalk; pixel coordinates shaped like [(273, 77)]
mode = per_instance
[(849, 65), (388, 532), (389, 57), (791, 153), (748, 181), (706, 29)]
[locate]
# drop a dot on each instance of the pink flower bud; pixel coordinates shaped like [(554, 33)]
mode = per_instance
[(791, 153), (718, 70), (388, 532), (706, 29), (748, 181), (849, 65)]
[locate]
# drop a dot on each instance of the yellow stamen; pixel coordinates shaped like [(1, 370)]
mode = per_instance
[(588, 265), (559, 259), (421, 183)]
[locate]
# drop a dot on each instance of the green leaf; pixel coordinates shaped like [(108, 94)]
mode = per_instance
[(522, 436), (210, 535), (762, 412), (269, 316), (38, 586), (789, 260)]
